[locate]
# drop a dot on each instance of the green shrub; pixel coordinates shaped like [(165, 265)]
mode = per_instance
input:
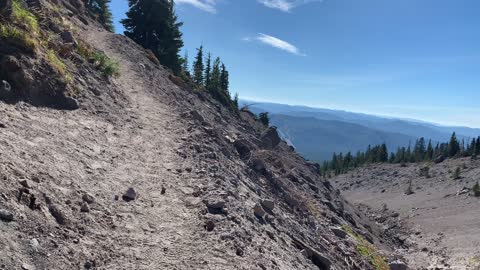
[(476, 190), (368, 250), (22, 16), (59, 66), (108, 66), (17, 37), (456, 173)]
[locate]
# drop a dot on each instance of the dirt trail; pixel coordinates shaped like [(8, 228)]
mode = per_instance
[(138, 150)]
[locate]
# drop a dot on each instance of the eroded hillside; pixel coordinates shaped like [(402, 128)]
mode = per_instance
[(144, 172), (436, 200)]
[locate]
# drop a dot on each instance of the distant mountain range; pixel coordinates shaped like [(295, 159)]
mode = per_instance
[(317, 133)]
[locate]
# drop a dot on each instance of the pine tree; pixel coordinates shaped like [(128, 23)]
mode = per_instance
[(264, 118), (429, 154), (198, 67), (101, 8), (235, 101), (215, 77), (208, 71), (224, 83), (185, 65), (453, 146), (153, 24)]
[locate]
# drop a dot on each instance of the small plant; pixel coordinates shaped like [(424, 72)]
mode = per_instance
[(368, 250), (425, 172), (20, 38), (409, 190), (59, 66), (108, 67), (264, 118), (476, 190), (456, 173), (22, 16)]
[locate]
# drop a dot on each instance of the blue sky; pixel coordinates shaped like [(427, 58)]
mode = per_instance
[(407, 58)]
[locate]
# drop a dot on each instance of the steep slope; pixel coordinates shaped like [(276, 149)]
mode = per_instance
[(441, 209), (150, 174)]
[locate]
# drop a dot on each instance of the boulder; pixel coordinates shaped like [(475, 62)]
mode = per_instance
[(57, 214), (129, 195), (268, 204), (339, 232), (85, 208), (439, 159), (398, 265), (215, 203), (197, 116), (210, 225), (67, 37), (88, 198), (269, 138), (258, 211), (6, 215), (243, 148)]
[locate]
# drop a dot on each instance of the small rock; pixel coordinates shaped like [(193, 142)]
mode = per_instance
[(88, 198), (197, 116), (210, 225), (68, 37), (258, 211), (269, 138), (2, 125), (215, 203), (85, 208), (25, 183), (163, 190), (57, 214), (339, 232), (6, 215), (27, 267), (268, 204), (130, 195), (34, 244), (398, 265)]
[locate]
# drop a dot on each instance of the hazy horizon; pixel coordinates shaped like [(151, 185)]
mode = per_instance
[(409, 59)]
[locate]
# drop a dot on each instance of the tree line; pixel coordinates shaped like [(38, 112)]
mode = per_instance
[(101, 10), (154, 25), (421, 151)]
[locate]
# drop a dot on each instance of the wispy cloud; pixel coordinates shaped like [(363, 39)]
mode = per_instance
[(276, 43), (285, 5), (205, 5)]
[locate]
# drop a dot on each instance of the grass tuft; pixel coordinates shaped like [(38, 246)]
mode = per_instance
[(59, 66), (107, 66), (18, 37), (368, 250), (23, 16)]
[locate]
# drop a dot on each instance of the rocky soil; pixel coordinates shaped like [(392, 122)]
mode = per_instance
[(149, 173), (443, 214)]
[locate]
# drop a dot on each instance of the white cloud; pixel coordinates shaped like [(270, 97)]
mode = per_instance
[(276, 43), (285, 5), (205, 5)]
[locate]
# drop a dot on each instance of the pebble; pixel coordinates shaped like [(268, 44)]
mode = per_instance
[(6, 215), (130, 195)]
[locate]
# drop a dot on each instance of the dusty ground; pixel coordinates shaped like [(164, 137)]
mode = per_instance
[(211, 194), (444, 216)]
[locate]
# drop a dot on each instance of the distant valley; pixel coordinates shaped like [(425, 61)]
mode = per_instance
[(317, 133)]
